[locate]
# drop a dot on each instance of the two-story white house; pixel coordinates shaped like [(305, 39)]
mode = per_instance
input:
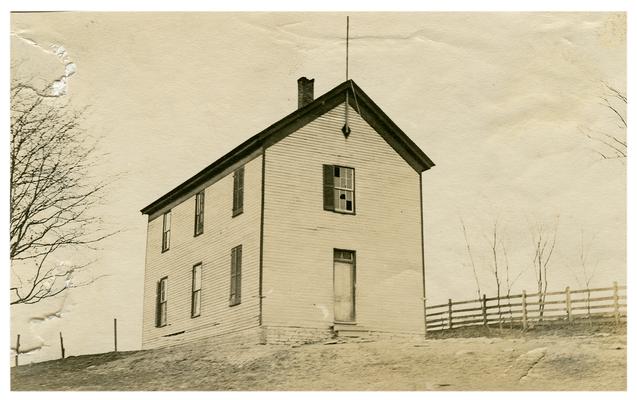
[(309, 228)]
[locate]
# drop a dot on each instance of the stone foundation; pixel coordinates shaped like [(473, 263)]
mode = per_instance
[(281, 335), (244, 336), (294, 335)]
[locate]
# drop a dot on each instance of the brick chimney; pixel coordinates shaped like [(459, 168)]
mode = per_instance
[(306, 91)]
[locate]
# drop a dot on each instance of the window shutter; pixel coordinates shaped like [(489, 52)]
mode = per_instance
[(238, 276), (158, 305), (240, 191), (233, 274), (196, 214), (328, 187), (234, 192), (201, 210), (237, 192)]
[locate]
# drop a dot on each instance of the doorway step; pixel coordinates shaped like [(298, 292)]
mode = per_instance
[(350, 331)]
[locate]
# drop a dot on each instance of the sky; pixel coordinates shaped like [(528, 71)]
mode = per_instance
[(502, 103)]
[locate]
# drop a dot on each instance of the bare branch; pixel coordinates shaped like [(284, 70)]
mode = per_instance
[(543, 247), (473, 265), (52, 193), (614, 145), (616, 92), (494, 251)]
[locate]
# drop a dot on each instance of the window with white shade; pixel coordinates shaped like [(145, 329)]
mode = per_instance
[(161, 314), (165, 236), (195, 308), (199, 206)]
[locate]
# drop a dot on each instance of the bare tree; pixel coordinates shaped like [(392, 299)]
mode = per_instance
[(473, 264), (501, 259), (494, 250), (509, 282), (495, 268), (584, 276), (613, 145), (51, 192), (543, 246)]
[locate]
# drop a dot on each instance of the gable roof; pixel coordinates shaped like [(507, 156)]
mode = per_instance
[(367, 109)]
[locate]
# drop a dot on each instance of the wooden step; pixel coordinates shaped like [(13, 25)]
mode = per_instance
[(349, 330)]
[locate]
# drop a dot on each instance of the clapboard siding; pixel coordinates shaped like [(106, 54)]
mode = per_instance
[(222, 232), (299, 236)]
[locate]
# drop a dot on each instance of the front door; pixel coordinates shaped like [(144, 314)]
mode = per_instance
[(344, 285)]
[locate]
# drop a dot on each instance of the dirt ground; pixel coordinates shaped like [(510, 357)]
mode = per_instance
[(595, 361)]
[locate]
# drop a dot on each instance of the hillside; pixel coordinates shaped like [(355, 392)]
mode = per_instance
[(585, 362)]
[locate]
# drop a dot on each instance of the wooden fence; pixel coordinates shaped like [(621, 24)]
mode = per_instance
[(17, 351), (525, 310)]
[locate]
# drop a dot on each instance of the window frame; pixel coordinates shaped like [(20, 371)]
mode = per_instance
[(351, 260), (238, 191), (165, 233), (196, 291), (236, 256), (332, 188), (161, 303), (200, 204)]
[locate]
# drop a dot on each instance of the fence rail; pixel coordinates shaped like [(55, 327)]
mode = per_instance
[(530, 309)]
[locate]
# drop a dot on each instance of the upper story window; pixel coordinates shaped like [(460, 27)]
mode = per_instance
[(338, 189), (165, 236), (161, 310), (199, 206), (237, 193)]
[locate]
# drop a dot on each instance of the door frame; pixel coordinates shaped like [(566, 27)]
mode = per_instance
[(353, 264)]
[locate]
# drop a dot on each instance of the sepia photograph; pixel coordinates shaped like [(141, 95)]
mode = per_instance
[(318, 201)]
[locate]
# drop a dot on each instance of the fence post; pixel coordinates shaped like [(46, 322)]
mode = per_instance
[(569, 313), (62, 345), (588, 306), (450, 323), (540, 306), (499, 314), (17, 350), (484, 309), (616, 301), (510, 311), (424, 305), (115, 333), (525, 322)]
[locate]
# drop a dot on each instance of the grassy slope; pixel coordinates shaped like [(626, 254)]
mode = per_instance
[(591, 362)]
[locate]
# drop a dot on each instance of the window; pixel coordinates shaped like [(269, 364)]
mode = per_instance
[(162, 304), (338, 189), (344, 255), (237, 193), (199, 205), (195, 302), (165, 237), (235, 276)]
